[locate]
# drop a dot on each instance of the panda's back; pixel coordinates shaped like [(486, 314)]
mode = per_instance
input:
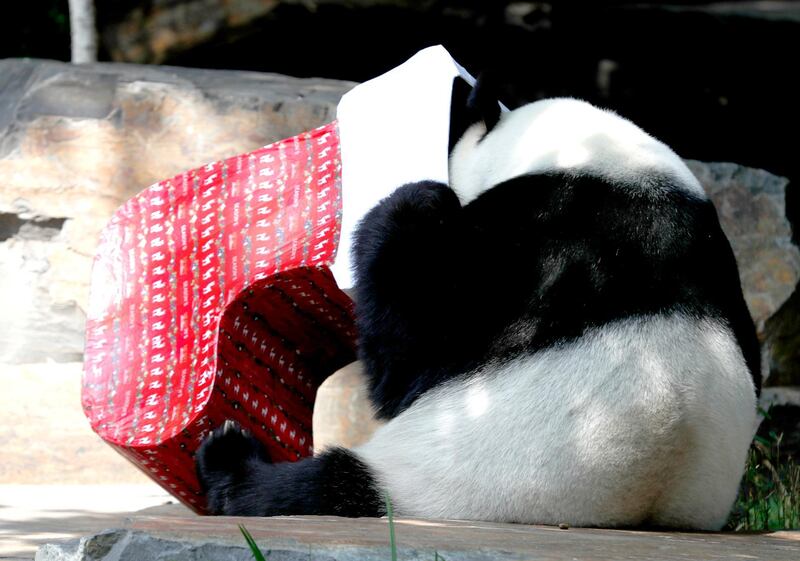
[(563, 135)]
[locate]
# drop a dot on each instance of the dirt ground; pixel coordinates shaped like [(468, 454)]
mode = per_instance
[(57, 478)]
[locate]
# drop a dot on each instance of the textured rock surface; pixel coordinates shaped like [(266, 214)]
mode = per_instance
[(76, 142), (154, 30), (328, 538), (783, 333), (783, 405), (751, 204), (33, 515), (343, 414), (44, 435)]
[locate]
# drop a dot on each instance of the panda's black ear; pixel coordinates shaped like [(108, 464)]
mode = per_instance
[(483, 101), (470, 105), (460, 117)]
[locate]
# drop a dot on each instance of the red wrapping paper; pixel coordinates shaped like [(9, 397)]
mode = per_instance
[(212, 300)]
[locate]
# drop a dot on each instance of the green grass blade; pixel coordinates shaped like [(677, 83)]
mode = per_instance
[(252, 543), (390, 515)]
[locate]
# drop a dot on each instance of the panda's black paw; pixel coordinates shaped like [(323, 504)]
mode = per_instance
[(224, 463), (421, 203), (403, 230)]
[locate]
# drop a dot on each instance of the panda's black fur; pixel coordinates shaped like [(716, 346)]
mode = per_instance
[(449, 292), (565, 256)]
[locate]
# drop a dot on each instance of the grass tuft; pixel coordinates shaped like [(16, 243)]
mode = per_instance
[(769, 497)]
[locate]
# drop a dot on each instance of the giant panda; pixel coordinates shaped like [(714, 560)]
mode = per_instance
[(558, 335)]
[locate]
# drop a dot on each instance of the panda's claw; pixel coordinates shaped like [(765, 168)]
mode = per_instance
[(224, 455)]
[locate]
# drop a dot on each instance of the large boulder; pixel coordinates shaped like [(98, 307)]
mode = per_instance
[(751, 204), (77, 141), (154, 31)]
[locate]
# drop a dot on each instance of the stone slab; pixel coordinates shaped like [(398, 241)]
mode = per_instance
[(341, 539), (77, 141), (32, 515)]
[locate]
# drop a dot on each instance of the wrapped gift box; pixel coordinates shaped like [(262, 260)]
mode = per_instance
[(212, 300)]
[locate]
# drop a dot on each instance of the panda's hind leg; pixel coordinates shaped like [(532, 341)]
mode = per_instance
[(239, 480), (705, 477)]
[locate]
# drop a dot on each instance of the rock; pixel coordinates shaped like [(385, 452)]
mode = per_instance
[(780, 396), (119, 545), (78, 141), (66, 550), (783, 335), (751, 205), (782, 407), (45, 436), (298, 538), (343, 414), (752, 210), (784, 423), (152, 31), (156, 30)]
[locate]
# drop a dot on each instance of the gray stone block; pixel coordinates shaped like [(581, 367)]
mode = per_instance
[(77, 141), (367, 539)]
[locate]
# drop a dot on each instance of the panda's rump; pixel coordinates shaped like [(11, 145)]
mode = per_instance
[(595, 432)]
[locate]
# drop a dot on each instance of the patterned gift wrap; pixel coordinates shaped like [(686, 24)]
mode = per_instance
[(211, 300)]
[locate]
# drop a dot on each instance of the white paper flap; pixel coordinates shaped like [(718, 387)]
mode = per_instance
[(393, 130)]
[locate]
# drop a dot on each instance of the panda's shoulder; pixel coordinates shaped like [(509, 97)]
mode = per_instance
[(573, 135)]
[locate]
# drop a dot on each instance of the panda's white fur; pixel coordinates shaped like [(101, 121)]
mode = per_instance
[(617, 428), (561, 134), (646, 420)]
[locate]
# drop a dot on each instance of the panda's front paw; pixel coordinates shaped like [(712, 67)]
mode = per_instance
[(425, 202), (224, 463), (404, 229)]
